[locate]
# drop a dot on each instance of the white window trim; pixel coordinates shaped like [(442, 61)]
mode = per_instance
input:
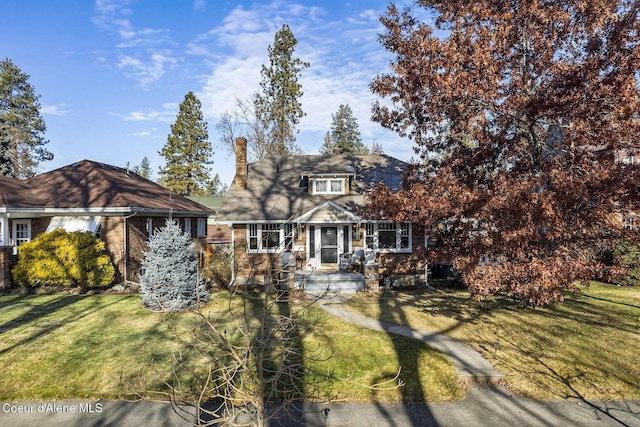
[(254, 231), (4, 234), (372, 237), (628, 223), (14, 234), (328, 181)]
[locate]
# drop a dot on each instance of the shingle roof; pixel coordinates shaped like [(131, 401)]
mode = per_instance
[(93, 185), (14, 193), (276, 190)]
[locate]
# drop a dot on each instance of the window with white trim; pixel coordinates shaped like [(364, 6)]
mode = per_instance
[(269, 237), (252, 237), (21, 231), (388, 236), (628, 223), (202, 227), (328, 186)]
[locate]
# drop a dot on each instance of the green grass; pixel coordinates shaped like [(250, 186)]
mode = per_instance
[(586, 347), (108, 346)]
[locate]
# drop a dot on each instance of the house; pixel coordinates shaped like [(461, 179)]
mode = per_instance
[(218, 236), (113, 203), (308, 208)]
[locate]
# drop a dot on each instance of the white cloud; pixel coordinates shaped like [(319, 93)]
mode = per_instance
[(344, 57), (54, 110), (166, 115), (148, 70), (142, 53), (141, 134)]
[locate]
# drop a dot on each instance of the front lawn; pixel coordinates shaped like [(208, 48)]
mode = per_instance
[(108, 346), (586, 347)]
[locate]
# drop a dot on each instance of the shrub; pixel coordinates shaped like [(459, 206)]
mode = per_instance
[(219, 267), (60, 258), (627, 256), (170, 280)]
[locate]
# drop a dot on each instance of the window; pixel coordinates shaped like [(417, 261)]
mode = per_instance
[(149, 227), (370, 236), (288, 236), (202, 227), (253, 237), (628, 223), (405, 236), (312, 241), (328, 186), (187, 226), (269, 237), (388, 236), (21, 231)]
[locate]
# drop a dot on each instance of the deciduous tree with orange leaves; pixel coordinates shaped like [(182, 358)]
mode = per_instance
[(516, 110)]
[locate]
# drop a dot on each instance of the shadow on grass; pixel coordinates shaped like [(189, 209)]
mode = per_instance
[(38, 313)]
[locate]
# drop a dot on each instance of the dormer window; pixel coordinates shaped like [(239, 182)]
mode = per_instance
[(328, 186)]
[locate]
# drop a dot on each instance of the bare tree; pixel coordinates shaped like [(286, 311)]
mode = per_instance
[(244, 120), (254, 362)]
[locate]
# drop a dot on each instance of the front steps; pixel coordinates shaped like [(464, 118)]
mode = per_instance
[(319, 281)]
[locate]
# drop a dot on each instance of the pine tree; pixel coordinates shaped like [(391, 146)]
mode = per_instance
[(328, 147), (344, 137), (170, 280), (278, 107), (187, 151), (144, 168), (21, 126)]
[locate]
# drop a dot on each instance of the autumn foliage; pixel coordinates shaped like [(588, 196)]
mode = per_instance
[(517, 111)]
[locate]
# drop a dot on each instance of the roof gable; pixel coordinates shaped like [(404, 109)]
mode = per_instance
[(277, 186), (328, 211)]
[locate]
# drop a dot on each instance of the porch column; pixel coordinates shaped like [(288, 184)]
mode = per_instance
[(371, 277)]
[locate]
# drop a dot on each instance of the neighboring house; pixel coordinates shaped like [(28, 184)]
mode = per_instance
[(115, 204), (630, 220), (218, 236), (309, 207)]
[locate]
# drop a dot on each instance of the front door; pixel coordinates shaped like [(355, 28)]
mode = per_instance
[(329, 246)]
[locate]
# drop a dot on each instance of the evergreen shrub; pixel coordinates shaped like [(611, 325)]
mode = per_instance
[(60, 258), (170, 280), (627, 256)]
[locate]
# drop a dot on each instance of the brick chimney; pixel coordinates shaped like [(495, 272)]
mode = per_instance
[(241, 163)]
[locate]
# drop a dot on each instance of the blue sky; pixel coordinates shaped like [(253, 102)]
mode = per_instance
[(112, 73)]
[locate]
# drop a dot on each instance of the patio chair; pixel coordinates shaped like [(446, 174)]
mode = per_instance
[(356, 260)]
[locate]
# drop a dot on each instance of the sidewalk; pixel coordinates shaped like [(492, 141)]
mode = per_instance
[(484, 406)]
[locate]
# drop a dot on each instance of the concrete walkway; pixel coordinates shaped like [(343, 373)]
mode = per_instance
[(470, 364)]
